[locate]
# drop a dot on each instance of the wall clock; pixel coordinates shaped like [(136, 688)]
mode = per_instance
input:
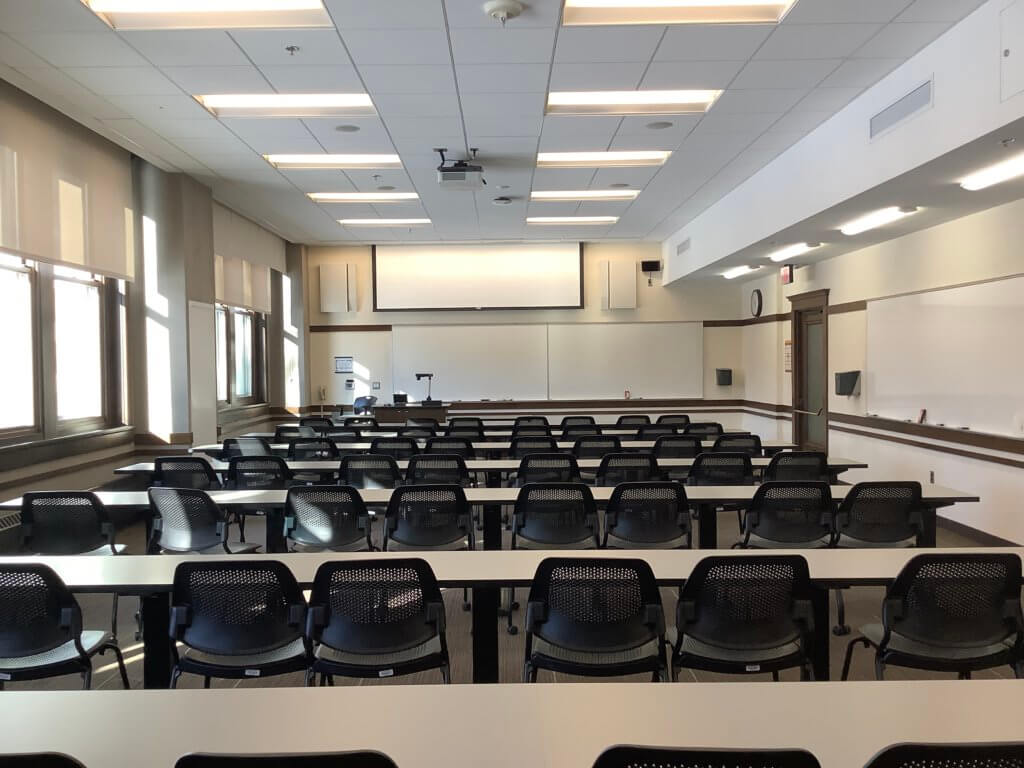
[(756, 302)]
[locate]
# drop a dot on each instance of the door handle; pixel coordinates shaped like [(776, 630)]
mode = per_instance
[(809, 413)]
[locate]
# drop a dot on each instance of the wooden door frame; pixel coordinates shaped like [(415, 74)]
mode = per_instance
[(801, 303)]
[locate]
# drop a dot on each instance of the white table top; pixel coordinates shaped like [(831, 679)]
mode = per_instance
[(391, 430), (555, 725), (473, 465), (696, 494), (139, 574), (498, 445)]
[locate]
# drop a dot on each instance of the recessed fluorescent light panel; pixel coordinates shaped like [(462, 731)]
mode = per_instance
[(583, 195), (363, 197), (876, 219), (792, 251), (616, 159), (210, 14), (732, 274), (333, 162), (288, 104), (630, 102), (995, 174), (562, 220), (598, 12), (384, 222)]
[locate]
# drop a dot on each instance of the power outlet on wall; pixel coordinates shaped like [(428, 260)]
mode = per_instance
[(376, 385)]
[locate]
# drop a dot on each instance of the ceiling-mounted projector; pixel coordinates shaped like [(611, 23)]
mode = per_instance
[(459, 174)]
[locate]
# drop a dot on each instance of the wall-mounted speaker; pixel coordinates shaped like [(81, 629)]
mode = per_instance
[(847, 383), (723, 377), (653, 265)]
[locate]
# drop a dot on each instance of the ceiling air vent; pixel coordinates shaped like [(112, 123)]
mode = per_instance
[(683, 247), (913, 102)]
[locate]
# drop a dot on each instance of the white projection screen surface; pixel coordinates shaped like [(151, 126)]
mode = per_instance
[(520, 276)]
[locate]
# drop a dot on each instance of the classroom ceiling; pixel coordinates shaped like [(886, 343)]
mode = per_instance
[(442, 73)]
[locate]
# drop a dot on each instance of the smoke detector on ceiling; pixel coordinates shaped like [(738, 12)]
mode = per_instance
[(503, 10), (502, 200)]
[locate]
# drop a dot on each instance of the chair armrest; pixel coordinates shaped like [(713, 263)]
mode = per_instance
[(181, 617), (437, 616), (536, 614), (654, 617), (316, 618), (289, 524), (297, 615), (222, 531), (686, 612), (803, 613)]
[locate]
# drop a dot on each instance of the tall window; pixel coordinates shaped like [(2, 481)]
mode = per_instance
[(78, 337), (222, 354), (291, 347), (243, 339), (17, 385), (240, 336)]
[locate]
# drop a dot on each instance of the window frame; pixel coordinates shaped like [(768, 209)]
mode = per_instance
[(88, 423), (257, 331), (33, 431)]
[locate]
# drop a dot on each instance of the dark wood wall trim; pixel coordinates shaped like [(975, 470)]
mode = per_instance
[(850, 306), (347, 328), (932, 447), (777, 318), (966, 437)]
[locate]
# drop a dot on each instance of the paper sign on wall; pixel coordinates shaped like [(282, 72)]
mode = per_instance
[(343, 365), (787, 356)]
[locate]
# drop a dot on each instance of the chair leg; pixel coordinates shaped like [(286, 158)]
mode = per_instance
[(1018, 670), (206, 681), (175, 674), (466, 605), (446, 674), (120, 665), (87, 678), (113, 616), (964, 675), (775, 676), (879, 668), (330, 681), (240, 519), (849, 654), (841, 628), (511, 628), (310, 677)]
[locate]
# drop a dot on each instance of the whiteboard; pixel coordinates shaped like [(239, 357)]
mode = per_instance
[(521, 276), (470, 362), (956, 352), (602, 360)]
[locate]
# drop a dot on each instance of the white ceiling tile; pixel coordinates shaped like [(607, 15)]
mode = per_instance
[(801, 121), (82, 49), (349, 210), (150, 141), (199, 47), (394, 14), (19, 16), (507, 149), (501, 46), (398, 46), (816, 41), (13, 54), (939, 10), (215, 79), (828, 99), (737, 122), (860, 73), (478, 125), (369, 181), (213, 148), (383, 78), (488, 104), (691, 74), (587, 44), (470, 13), (637, 178), (274, 135), (759, 100), (711, 43), (563, 178), (844, 11), (122, 81), (204, 128), (608, 208), (340, 78), (596, 76), (637, 125), (777, 140), (371, 136), (804, 73), (168, 106), (319, 180), (400, 127), (649, 140), (266, 47), (502, 78), (564, 133), (53, 82), (418, 151), (552, 209), (901, 40), (416, 104)]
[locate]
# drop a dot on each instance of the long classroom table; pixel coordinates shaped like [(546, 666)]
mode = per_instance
[(151, 577), (390, 430), (544, 725)]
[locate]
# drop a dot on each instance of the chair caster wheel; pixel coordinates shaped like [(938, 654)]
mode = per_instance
[(513, 630), (839, 631), (467, 606)]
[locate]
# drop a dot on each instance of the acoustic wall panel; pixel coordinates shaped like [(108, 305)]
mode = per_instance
[(338, 288), (618, 284)]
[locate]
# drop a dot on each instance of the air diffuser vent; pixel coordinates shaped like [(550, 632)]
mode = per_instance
[(915, 101), (683, 247)]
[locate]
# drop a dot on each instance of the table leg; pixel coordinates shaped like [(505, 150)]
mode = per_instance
[(927, 536), (485, 608), (708, 530), (822, 633), (156, 622), (275, 530)]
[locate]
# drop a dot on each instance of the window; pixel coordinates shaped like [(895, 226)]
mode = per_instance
[(78, 339), (17, 386), (241, 340), (291, 347), (243, 353), (222, 354)]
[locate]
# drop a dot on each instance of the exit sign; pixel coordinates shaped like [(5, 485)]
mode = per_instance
[(786, 273)]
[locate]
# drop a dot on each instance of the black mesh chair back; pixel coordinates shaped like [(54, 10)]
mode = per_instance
[(704, 428), (428, 516), (956, 600), (466, 433), (437, 469), (745, 443), (375, 606), (319, 423), (524, 446), (721, 469), (678, 419), (798, 465), (37, 611), (789, 512), (648, 514), (259, 472), (245, 446), (540, 430), (235, 607), (656, 757), (285, 434), (556, 513), (577, 421), (633, 421), (466, 422), (596, 446), (364, 404), (458, 446), (325, 516), (677, 447), (578, 430), (417, 431), (343, 434), (185, 472), (361, 422), (369, 471), (396, 447), (1010, 755), (530, 421), (747, 603), (595, 604), (306, 449), (64, 523), (654, 431), (547, 468), (880, 512), (627, 468), (340, 760), (186, 520), (422, 422)]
